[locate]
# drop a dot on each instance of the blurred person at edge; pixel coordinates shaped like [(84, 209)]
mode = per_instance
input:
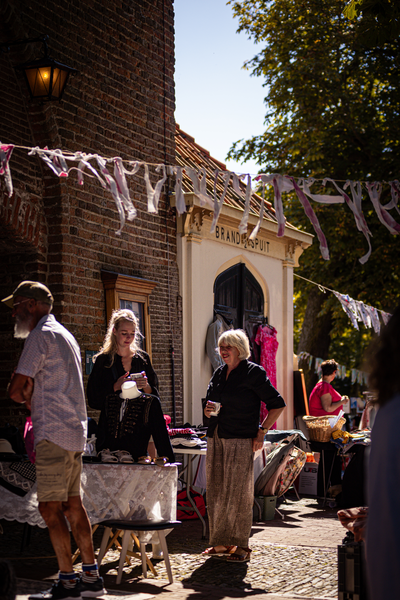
[(234, 434), (326, 401), (383, 522), (48, 380)]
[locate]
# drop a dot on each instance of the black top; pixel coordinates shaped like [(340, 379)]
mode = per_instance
[(147, 420), (240, 396)]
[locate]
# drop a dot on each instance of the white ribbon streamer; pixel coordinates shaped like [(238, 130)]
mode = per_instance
[(218, 203), (153, 194)]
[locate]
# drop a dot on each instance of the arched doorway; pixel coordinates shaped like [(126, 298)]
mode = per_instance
[(239, 298)]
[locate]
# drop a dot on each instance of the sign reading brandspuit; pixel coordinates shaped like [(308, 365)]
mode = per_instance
[(231, 236)]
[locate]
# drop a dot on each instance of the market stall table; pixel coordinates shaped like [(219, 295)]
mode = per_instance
[(109, 491)]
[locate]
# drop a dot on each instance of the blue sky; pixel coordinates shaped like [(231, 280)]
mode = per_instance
[(217, 102)]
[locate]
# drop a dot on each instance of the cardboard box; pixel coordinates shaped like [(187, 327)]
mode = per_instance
[(308, 479)]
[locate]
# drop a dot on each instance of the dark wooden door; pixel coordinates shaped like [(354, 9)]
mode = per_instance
[(239, 298)]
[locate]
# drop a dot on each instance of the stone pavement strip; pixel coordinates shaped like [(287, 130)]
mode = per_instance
[(293, 558)]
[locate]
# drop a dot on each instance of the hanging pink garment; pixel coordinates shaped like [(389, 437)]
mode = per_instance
[(266, 339)]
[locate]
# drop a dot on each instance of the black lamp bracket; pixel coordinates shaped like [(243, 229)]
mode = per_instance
[(6, 46)]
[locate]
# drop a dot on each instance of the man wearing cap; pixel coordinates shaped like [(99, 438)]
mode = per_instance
[(48, 379)]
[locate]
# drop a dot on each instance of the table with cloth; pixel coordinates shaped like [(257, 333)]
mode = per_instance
[(109, 491)]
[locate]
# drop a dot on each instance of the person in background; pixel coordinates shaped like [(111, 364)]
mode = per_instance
[(326, 401), (234, 434), (48, 380), (119, 357), (383, 523)]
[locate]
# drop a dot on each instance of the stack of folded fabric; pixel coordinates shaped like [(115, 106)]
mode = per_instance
[(187, 437)]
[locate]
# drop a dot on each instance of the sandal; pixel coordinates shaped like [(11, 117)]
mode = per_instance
[(212, 551), (144, 460), (241, 555), (123, 456), (107, 456), (161, 461)]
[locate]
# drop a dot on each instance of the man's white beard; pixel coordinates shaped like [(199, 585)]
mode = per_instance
[(22, 328)]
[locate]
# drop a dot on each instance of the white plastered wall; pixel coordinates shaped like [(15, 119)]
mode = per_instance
[(200, 262)]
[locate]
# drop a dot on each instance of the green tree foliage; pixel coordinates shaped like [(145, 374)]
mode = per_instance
[(333, 109), (379, 20)]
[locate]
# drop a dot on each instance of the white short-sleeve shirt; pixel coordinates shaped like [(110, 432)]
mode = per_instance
[(51, 356)]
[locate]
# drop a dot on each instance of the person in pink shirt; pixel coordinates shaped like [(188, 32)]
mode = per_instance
[(324, 399)]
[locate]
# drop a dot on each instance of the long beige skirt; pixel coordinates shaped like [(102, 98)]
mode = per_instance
[(230, 490)]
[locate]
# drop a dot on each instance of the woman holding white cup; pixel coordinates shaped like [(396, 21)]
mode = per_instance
[(234, 433), (127, 426)]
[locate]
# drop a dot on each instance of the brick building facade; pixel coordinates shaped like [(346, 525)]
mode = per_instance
[(121, 103)]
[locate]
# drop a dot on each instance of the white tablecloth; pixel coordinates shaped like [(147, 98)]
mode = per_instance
[(109, 491)]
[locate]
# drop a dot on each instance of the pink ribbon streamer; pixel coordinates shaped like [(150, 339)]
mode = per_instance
[(313, 218), (321, 198), (53, 158), (374, 191), (356, 208), (111, 185), (84, 163), (395, 191), (5, 155), (245, 218), (261, 215), (122, 185), (280, 184)]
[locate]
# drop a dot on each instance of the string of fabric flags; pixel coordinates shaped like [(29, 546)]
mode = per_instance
[(355, 375), (116, 183), (357, 311)]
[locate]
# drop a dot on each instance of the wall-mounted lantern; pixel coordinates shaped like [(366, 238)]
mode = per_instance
[(45, 77)]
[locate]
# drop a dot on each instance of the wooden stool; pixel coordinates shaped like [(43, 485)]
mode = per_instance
[(125, 526)]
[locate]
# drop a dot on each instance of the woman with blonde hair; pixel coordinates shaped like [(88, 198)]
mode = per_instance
[(233, 400), (126, 426)]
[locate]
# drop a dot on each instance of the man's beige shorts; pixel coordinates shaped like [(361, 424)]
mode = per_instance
[(58, 472)]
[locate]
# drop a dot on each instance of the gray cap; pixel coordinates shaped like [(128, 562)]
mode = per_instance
[(30, 289)]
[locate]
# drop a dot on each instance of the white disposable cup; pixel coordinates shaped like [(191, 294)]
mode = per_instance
[(216, 409)]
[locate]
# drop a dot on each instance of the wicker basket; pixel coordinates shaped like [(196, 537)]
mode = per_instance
[(319, 429)]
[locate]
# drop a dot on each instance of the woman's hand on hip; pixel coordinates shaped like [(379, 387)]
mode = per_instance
[(258, 441)]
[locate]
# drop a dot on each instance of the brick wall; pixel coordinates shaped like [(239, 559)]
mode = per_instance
[(120, 104)]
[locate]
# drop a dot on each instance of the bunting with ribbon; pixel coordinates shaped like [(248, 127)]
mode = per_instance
[(116, 184), (355, 375)]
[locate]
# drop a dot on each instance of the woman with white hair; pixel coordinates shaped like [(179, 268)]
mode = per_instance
[(234, 434), (120, 358)]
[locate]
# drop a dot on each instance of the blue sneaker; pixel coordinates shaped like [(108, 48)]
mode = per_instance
[(59, 592), (93, 589)]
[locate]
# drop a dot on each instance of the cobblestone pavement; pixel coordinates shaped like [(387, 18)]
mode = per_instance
[(296, 555), (291, 558), (305, 572)]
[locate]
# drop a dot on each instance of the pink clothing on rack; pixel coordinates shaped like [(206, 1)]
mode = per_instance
[(266, 339)]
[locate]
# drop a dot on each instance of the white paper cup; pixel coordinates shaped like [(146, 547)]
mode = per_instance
[(216, 409)]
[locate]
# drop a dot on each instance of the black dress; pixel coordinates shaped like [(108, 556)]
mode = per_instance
[(143, 417)]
